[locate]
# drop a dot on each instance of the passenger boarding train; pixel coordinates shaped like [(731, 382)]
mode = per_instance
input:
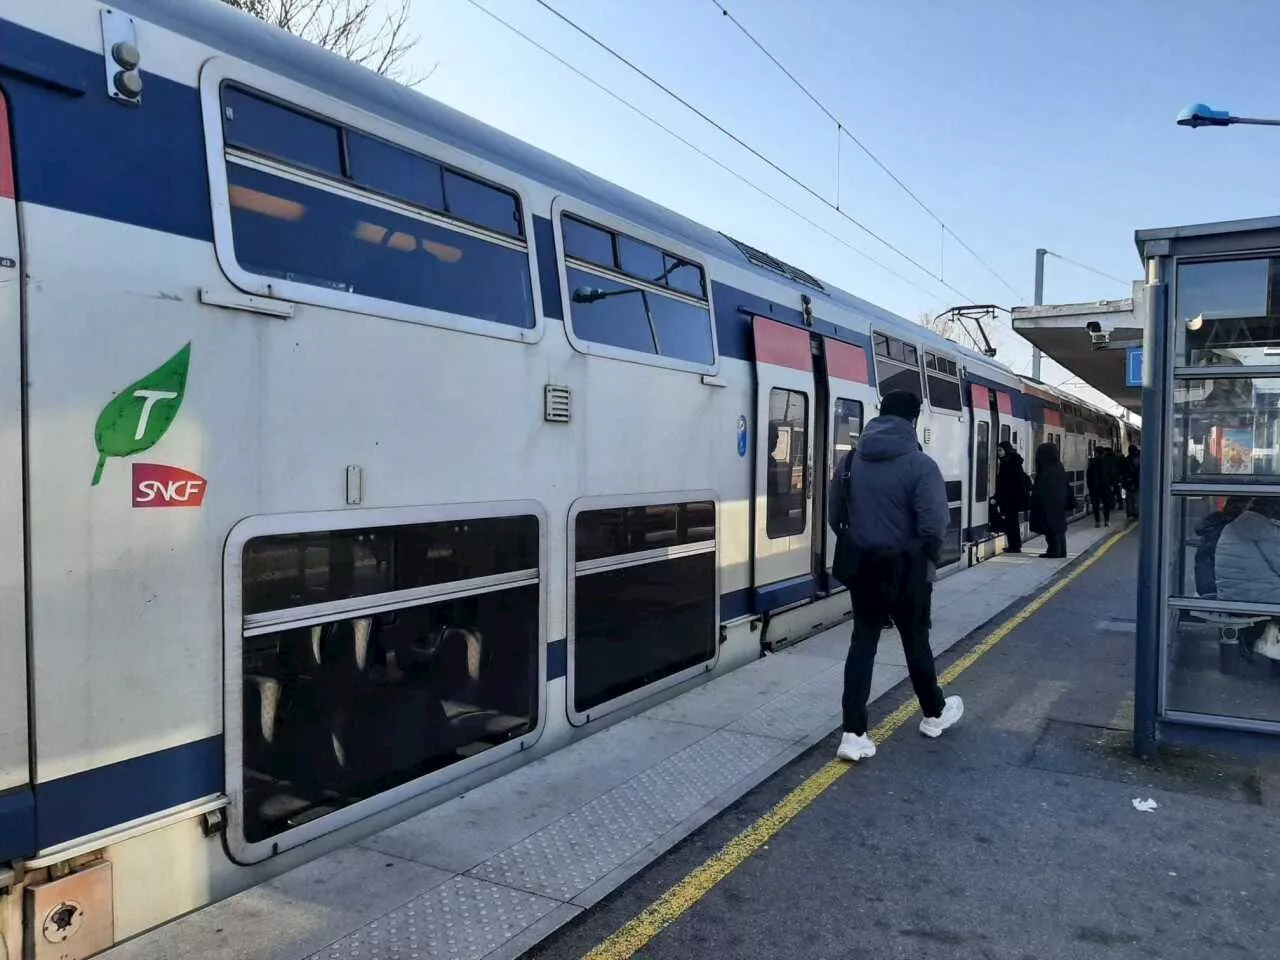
[(355, 453)]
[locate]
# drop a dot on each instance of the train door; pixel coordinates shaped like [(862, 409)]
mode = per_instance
[(847, 390), (17, 806), (982, 483), (783, 513)]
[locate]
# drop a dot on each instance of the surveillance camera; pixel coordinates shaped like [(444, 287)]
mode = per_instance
[(1099, 337)]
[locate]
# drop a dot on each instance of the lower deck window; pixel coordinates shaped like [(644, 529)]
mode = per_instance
[(642, 614), (339, 705)]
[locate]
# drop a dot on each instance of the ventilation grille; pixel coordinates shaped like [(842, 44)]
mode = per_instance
[(555, 404), (762, 259)]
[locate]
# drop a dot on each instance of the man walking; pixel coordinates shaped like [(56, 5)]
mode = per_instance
[(891, 508)]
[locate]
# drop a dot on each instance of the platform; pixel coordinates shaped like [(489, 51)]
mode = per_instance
[(491, 873)]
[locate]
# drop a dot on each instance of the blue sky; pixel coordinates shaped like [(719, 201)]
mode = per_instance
[(1020, 123)]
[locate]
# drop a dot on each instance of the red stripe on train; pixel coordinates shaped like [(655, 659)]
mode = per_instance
[(1004, 403), (979, 397), (1052, 418), (781, 345), (6, 153), (847, 362)]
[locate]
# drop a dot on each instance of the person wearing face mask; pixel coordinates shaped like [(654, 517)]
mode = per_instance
[(890, 505), (1012, 494)]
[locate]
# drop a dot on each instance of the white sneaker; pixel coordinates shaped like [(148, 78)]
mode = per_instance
[(952, 711), (856, 746)]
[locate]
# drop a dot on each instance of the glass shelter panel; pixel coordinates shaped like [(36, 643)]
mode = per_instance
[(1226, 428), (1228, 313)]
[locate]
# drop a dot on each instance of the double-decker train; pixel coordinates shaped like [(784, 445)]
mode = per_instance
[(354, 453)]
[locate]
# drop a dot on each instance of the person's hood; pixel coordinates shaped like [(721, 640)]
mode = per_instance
[(1010, 455), (887, 438), (1046, 456)]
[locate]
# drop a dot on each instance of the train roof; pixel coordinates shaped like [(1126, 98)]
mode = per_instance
[(221, 27)]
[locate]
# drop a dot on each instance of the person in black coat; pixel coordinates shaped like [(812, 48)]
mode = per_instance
[(1097, 477), (1012, 488), (1052, 501)]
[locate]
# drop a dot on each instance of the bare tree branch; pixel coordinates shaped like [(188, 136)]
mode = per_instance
[(372, 33)]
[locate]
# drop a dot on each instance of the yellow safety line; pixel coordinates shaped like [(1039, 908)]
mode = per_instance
[(664, 911)]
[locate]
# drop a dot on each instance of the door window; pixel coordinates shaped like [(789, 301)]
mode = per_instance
[(982, 463), (786, 479)]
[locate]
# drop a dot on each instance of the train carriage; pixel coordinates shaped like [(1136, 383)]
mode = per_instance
[(356, 453)]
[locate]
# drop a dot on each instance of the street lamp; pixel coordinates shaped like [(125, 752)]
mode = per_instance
[(1200, 115)]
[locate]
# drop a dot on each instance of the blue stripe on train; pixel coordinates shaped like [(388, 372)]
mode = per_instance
[(84, 803), (85, 153), (17, 824)]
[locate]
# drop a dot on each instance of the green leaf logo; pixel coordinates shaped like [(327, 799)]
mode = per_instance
[(140, 414)]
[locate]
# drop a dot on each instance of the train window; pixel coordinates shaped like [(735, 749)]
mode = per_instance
[(397, 173), (272, 130), (587, 243), (641, 260), (684, 276), (286, 229), (342, 703), (846, 427), (944, 394), (344, 238), (647, 300), (1005, 433), (606, 311), (786, 481), (893, 370), (1234, 308), (982, 462), (468, 199), (681, 329), (644, 597), (950, 551)]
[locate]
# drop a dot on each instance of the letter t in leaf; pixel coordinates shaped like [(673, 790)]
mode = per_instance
[(138, 416)]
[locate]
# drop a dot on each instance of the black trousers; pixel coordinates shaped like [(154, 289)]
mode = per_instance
[(873, 599), (1011, 527), (1055, 543), (1101, 508)]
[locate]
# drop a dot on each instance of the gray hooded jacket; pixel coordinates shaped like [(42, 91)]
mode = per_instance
[(1247, 561), (896, 493)]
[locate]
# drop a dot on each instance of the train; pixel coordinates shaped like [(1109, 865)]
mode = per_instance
[(356, 453)]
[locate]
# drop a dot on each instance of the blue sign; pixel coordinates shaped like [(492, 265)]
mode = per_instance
[(1133, 367), (742, 436)]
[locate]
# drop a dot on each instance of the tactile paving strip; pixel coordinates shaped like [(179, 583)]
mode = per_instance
[(800, 712), (463, 919), (566, 857)]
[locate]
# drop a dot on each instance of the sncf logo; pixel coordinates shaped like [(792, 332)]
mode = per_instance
[(155, 485)]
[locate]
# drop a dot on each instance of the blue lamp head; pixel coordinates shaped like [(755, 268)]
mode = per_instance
[(1202, 115)]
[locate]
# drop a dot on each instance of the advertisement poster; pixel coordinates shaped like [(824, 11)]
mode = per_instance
[(1237, 451)]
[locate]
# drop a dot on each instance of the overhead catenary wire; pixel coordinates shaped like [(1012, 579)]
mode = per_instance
[(1085, 266), (843, 130), (782, 171), (703, 153)]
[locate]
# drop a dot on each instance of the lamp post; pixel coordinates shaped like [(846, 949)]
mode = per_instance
[(1200, 115)]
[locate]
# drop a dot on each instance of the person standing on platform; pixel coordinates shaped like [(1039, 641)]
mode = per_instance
[(1012, 494), (1097, 478), (1132, 482), (1052, 501), (890, 508)]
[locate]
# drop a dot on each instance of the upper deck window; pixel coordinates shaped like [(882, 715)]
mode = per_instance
[(897, 365), (382, 222), (630, 294), (942, 378)]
